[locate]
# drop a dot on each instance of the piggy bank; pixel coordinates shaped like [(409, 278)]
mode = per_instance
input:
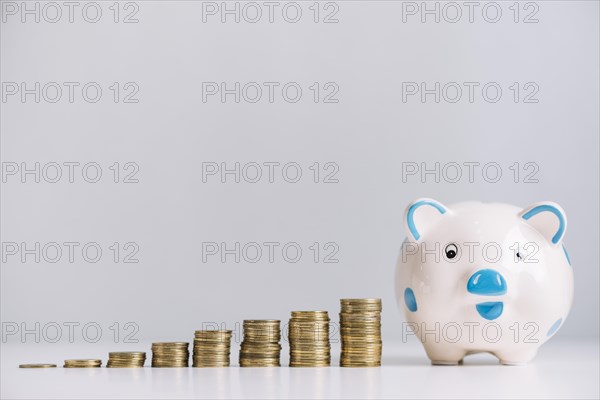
[(483, 277)]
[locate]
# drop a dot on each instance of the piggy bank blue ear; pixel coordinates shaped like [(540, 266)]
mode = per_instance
[(422, 214), (548, 218)]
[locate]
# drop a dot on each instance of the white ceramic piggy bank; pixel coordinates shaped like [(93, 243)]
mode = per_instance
[(483, 277)]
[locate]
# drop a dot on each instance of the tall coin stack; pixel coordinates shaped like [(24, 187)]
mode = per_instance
[(83, 363), (261, 347), (360, 326), (309, 339), (126, 359), (212, 348), (170, 354)]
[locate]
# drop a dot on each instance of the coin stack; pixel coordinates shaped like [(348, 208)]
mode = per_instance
[(309, 339), (212, 348), (37, 366), (261, 347), (170, 354), (83, 363), (126, 359), (360, 322)]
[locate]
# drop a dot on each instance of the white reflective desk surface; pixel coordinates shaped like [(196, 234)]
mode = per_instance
[(563, 369)]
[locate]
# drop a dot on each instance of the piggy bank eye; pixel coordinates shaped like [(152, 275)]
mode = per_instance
[(525, 253), (451, 251), (520, 252)]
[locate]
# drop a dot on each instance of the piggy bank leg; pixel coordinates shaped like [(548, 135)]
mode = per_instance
[(516, 357), (444, 355)]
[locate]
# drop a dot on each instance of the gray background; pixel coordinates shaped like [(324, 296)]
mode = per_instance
[(369, 133)]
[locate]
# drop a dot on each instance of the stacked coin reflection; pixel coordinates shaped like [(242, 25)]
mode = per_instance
[(261, 347), (212, 348), (309, 339), (126, 359), (83, 363), (170, 354), (360, 326)]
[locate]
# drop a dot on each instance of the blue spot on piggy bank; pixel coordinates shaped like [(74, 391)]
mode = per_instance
[(483, 277)]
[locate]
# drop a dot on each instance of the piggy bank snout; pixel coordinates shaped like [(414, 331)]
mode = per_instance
[(487, 282)]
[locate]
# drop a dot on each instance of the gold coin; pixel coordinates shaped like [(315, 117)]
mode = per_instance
[(169, 366), (37, 366), (125, 359), (262, 321), (170, 344), (360, 365), (83, 362), (124, 366), (310, 315), (362, 316), (261, 364), (361, 302)]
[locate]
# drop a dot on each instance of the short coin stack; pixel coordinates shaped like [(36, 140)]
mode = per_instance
[(170, 354), (37, 366), (83, 363), (126, 359), (261, 347), (360, 325), (212, 348), (309, 339)]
